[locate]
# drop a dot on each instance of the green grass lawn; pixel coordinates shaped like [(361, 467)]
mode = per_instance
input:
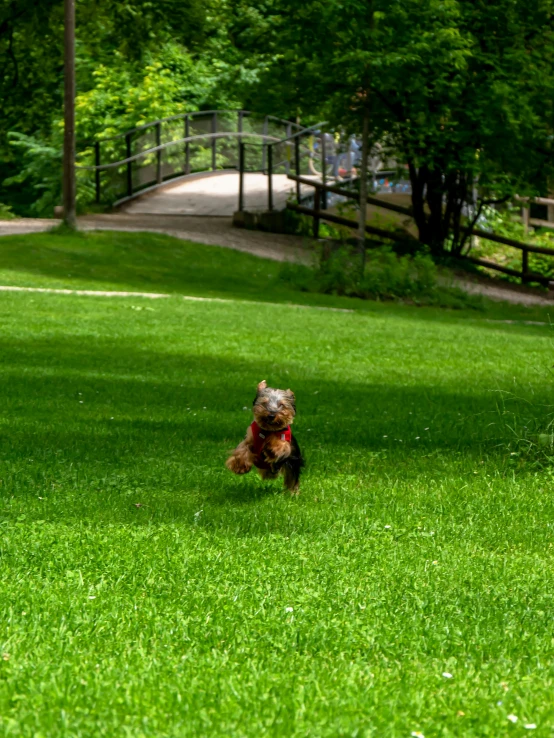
[(146, 591)]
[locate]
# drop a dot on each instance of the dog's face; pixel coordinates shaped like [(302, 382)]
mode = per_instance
[(274, 409)]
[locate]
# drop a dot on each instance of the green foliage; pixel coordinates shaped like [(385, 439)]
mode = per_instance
[(147, 592), (41, 165), (457, 91), (386, 276), (124, 95), (6, 213), (132, 65)]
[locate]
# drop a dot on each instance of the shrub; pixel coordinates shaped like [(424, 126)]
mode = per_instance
[(385, 276), (6, 212)]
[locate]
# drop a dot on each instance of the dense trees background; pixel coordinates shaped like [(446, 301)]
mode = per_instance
[(136, 60), (460, 92)]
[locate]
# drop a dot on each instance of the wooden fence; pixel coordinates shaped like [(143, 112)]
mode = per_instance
[(526, 216), (318, 214)]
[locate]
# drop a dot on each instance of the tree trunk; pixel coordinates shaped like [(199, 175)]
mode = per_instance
[(69, 186), (437, 204), (363, 187), (436, 228), (418, 182)]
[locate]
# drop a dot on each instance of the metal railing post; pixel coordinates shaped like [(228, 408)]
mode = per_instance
[(270, 177), (297, 164), (241, 176), (239, 125), (264, 146), (158, 153), (129, 165), (214, 142), (97, 172), (289, 134), (323, 172), (187, 145)]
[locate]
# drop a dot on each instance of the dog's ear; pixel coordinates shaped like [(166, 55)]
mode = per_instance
[(289, 394), (262, 385)]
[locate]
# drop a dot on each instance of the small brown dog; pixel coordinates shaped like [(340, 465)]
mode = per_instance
[(269, 444)]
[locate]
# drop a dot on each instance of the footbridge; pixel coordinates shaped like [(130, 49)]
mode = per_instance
[(204, 163)]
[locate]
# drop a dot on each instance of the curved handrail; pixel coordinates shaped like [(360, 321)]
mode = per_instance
[(161, 147), (194, 122), (192, 114)]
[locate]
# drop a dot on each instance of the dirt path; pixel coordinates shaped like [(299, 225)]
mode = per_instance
[(503, 291), (219, 231)]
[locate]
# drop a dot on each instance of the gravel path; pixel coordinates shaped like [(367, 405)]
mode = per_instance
[(504, 292), (212, 231), (212, 195), (219, 231)]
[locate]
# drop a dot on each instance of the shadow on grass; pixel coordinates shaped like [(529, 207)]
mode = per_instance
[(113, 433), (112, 389)]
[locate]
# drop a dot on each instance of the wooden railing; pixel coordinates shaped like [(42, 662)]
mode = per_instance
[(318, 214), (526, 215)]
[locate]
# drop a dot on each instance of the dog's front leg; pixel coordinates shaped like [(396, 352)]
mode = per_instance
[(242, 458), (275, 450)]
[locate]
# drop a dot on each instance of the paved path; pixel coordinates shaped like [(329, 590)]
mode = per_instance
[(215, 195)]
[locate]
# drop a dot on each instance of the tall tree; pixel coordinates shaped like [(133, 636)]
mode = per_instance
[(120, 36), (461, 92)]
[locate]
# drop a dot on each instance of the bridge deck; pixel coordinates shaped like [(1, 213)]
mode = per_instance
[(215, 195)]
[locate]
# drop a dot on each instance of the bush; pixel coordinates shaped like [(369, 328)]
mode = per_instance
[(386, 276), (6, 212)]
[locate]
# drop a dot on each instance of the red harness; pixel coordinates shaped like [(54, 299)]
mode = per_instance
[(260, 436)]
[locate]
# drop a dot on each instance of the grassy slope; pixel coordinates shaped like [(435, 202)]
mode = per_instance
[(170, 619), (156, 263)]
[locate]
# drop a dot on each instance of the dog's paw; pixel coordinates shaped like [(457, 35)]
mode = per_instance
[(269, 456), (237, 465), (293, 489)]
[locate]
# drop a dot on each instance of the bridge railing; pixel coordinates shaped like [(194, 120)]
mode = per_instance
[(306, 154), (145, 157)]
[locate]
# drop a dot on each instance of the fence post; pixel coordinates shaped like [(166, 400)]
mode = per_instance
[(214, 142), (129, 165), (97, 171), (317, 206), (525, 218), (297, 164), (524, 266), (158, 153), (264, 146), (269, 177), (241, 176), (187, 145)]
